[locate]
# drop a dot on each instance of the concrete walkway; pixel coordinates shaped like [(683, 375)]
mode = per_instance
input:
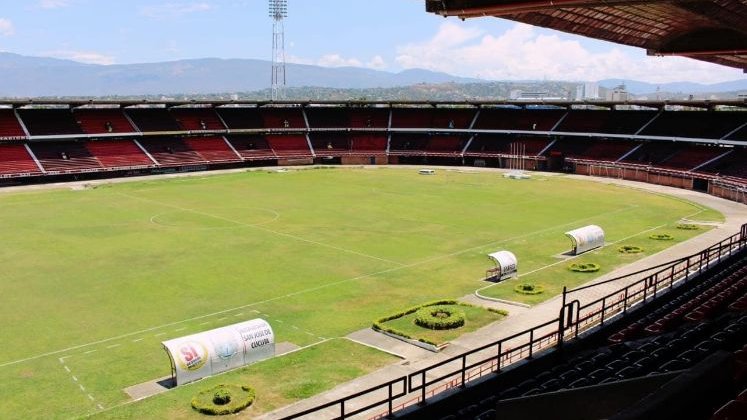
[(519, 319)]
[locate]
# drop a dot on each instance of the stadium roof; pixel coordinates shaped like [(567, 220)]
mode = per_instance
[(708, 30)]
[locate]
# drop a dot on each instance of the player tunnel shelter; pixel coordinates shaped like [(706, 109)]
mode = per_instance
[(586, 239), (506, 266), (208, 353)]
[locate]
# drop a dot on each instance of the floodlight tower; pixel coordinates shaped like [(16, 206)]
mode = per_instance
[(278, 13)]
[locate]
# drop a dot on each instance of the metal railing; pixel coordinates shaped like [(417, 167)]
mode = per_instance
[(573, 318)]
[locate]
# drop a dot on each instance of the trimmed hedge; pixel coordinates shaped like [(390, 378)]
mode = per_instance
[(439, 317), (584, 267), (661, 237), (222, 399), (528, 289), (378, 325), (630, 249), (686, 226)]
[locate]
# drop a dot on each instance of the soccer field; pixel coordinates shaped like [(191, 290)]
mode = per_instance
[(93, 280)]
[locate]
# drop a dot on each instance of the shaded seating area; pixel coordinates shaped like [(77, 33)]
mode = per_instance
[(49, 121), (153, 119), (196, 119), (118, 153), (239, 118), (519, 119), (610, 122), (274, 118), (65, 157), (102, 120), (695, 124)]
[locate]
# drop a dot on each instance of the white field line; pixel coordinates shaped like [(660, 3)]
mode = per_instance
[(80, 385), (259, 227), (310, 289)]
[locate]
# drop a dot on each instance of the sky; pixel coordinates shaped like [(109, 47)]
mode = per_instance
[(389, 35)]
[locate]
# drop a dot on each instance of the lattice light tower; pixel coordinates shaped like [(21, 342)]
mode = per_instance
[(278, 13)]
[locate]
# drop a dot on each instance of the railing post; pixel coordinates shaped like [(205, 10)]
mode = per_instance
[(422, 392), (604, 306), (390, 402), (531, 342), (561, 319), (464, 370), (671, 279), (342, 409), (625, 301), (500, 346)]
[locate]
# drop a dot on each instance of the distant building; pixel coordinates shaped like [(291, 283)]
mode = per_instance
[(588, 90), (619, 93)]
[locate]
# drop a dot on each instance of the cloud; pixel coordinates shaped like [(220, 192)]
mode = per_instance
[(53, 4), (6, 27), (337, 60), (88, 57), (174, 10), (522, 52)]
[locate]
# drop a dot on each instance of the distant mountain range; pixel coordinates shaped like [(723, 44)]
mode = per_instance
[(37, 76), (24, 76), (644, 88)]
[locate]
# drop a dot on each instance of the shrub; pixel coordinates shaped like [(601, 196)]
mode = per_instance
[(223, 399), (439, 317), (686, 226), (528, 289), (630, 249), (584, 267), (661, 237)]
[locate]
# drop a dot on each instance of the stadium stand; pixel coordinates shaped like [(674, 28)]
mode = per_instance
[(49, 121), (118, 154), (289, 146), (168, 151), (368, 117), (196, 119), (279, 118), (486, 145), (153, 119), (412, 118), (732, 164), (16, 160), (102, 120), (331, 144), (252, 147), (609, 122), (212, 149), (519, 119), (65, 157), (328, 116), (362, 142), (241, 117), (603, 150), (9, 125), (697, 124)]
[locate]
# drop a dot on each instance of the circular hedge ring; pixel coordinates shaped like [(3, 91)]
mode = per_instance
[(439, 317), (630, 249), (661, 237), (584, 267), (223, 399), (688, 227), (528, 289)]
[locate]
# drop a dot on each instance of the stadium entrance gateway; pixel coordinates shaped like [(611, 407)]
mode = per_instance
[(586, 238), (506, 266), (208, 353)]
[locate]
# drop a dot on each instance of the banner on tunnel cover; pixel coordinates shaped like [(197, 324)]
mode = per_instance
[(208, 353)]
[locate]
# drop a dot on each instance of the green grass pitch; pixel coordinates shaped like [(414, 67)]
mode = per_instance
[(92, 281)]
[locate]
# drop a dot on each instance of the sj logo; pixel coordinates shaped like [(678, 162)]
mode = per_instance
[(192, 356)]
